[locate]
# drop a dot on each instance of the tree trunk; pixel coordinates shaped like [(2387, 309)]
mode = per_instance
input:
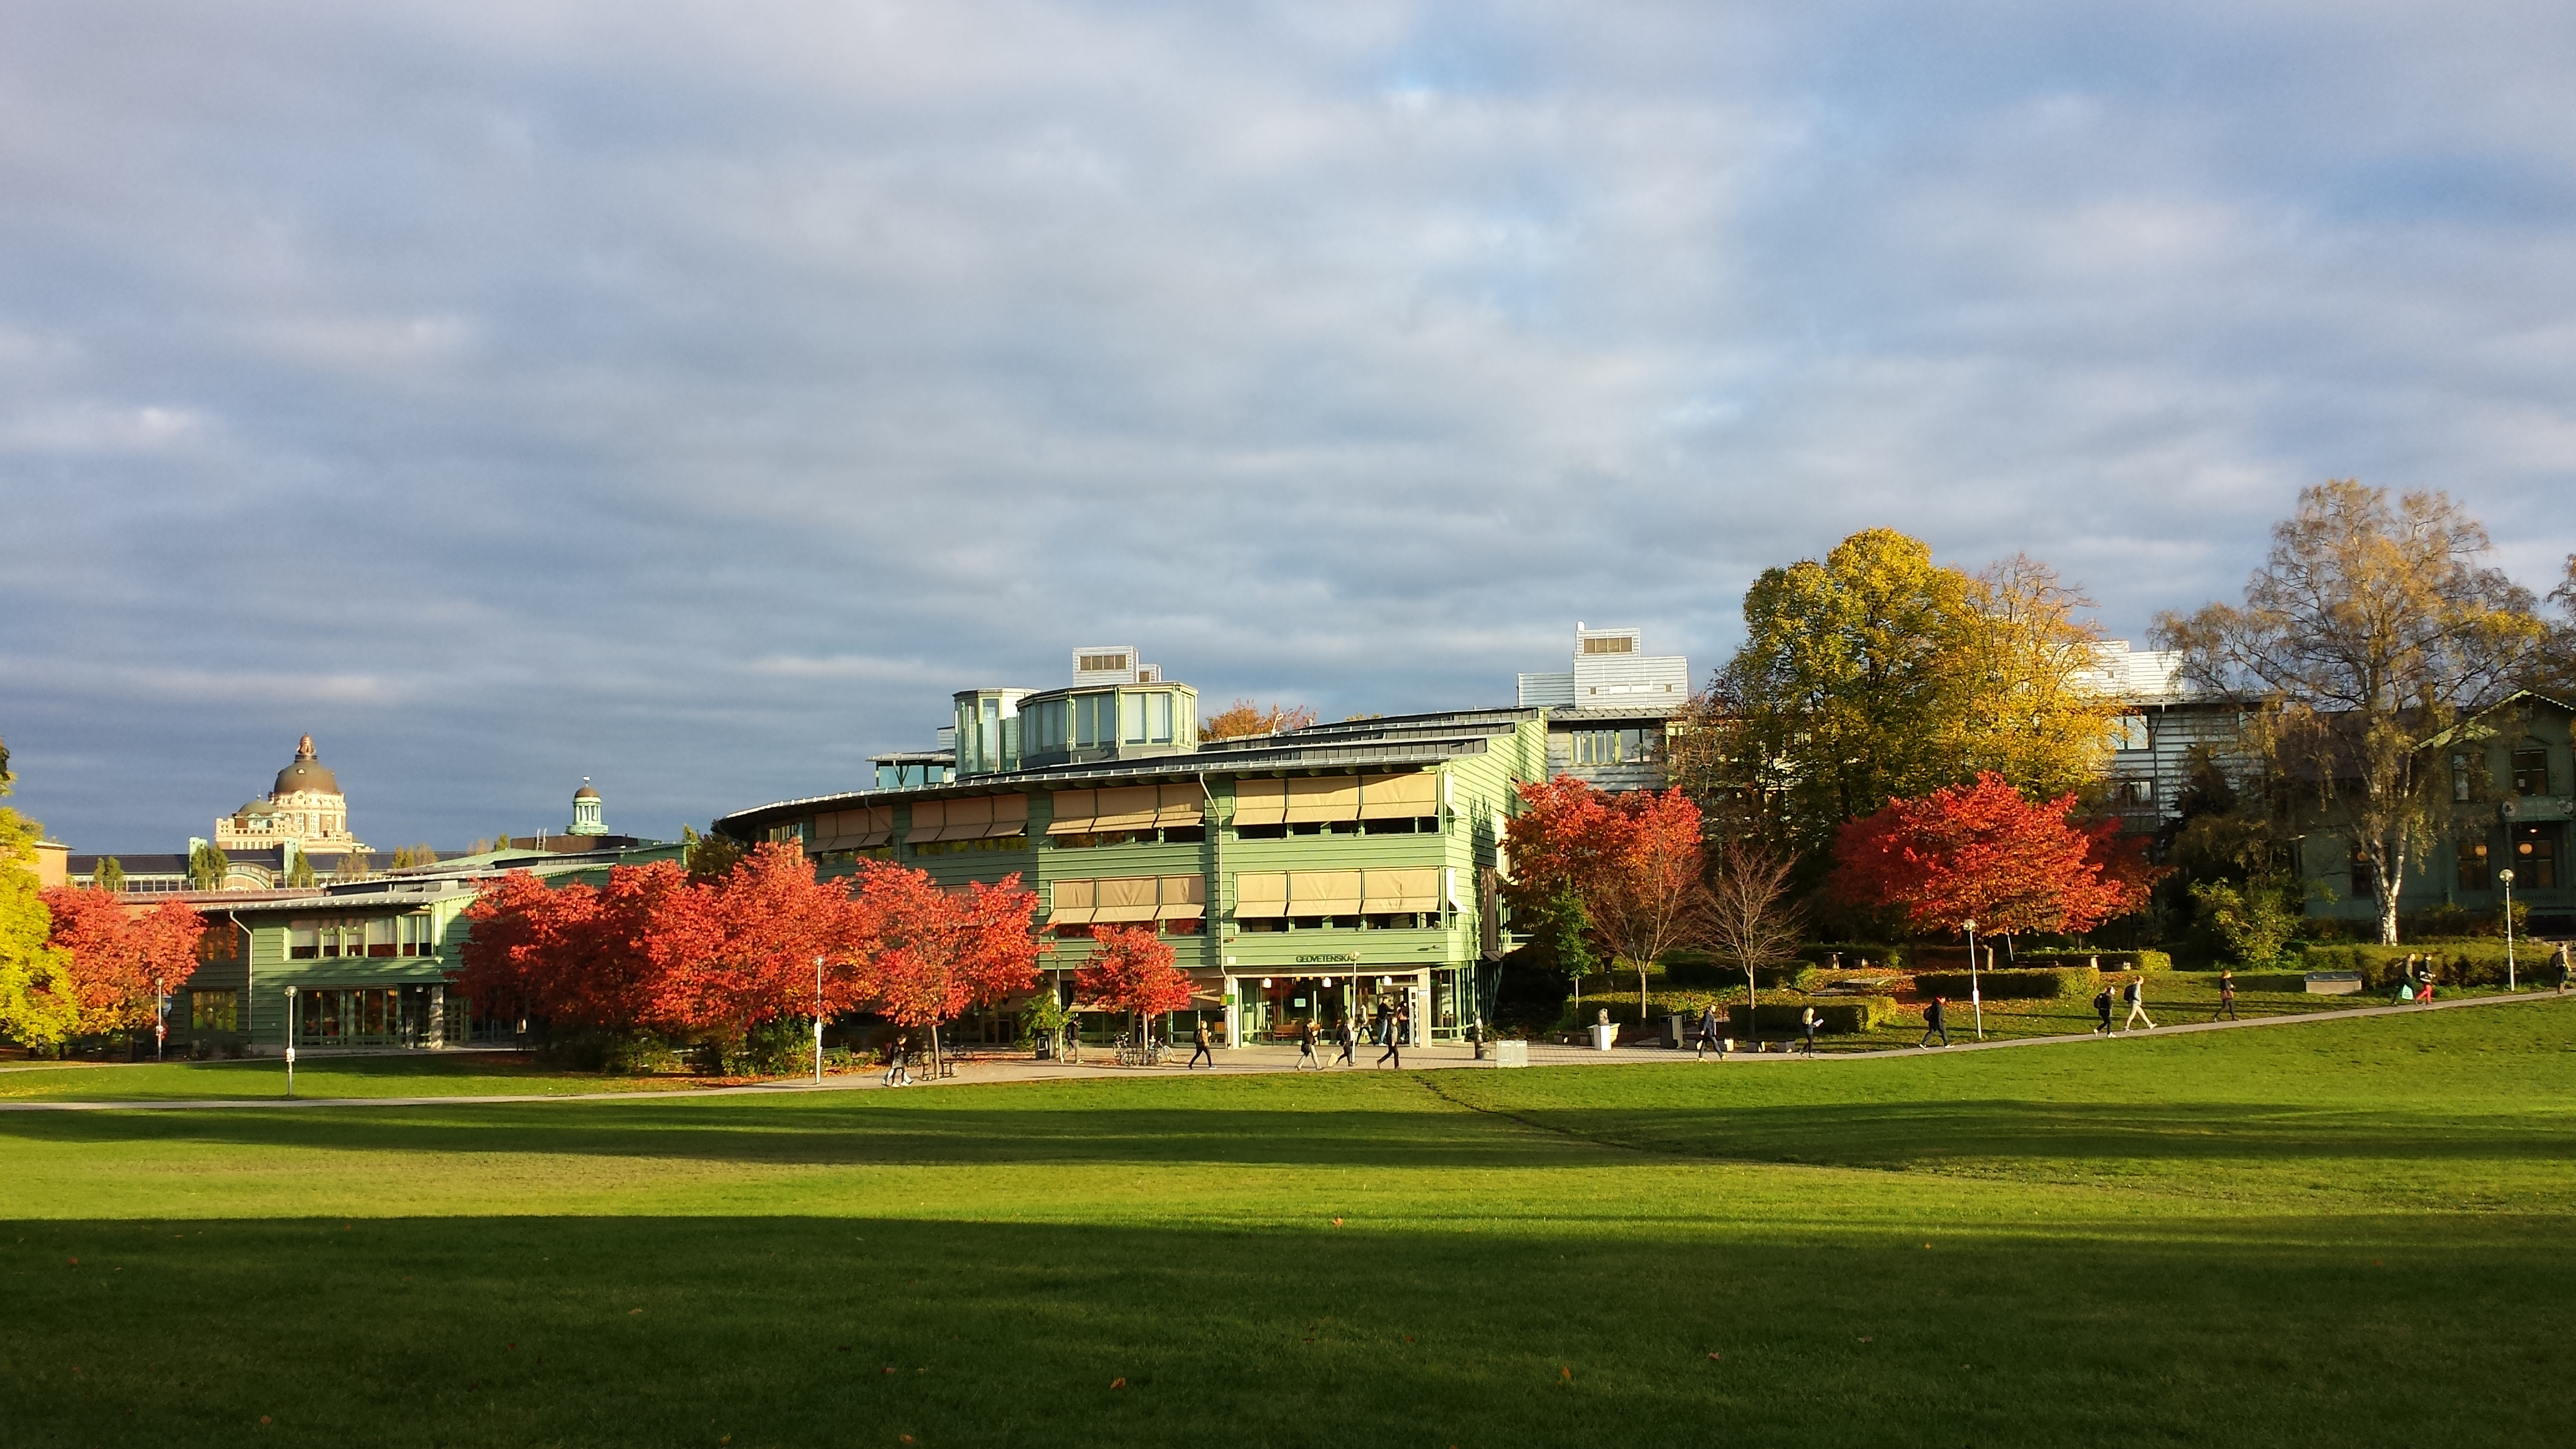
[(2391, 861), (1641, 993)]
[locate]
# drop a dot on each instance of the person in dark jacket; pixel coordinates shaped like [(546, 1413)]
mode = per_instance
[(1934, 1021), (1807, 1029), (1306, 1046), (1346, 1039), (1199, 1048), (896, 1074), (1708, 1036), (1394, 1042), (2102, 1009)]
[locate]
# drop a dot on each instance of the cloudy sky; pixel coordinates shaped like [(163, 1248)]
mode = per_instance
[(691, 396)]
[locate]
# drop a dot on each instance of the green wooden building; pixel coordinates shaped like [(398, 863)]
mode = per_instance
[(360, 965), (1321, 874)]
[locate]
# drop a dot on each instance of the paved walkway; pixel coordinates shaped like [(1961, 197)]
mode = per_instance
[(1256, 1060)]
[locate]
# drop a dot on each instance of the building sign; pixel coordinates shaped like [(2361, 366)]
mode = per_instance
[(1328, 958)]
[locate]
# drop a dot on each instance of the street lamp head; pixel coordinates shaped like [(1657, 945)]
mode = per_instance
[(2505, 875), (1967, 925)]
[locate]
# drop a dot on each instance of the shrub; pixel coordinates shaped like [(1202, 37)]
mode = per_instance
[(2477, 962), (1701, 968), (1835, 1016), (1880, 955), (2063, 983), (2139, 960)]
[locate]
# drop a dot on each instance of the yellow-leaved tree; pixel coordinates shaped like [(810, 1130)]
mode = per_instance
[(37, 1004)]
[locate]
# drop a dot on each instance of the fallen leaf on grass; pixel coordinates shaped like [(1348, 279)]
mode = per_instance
[(1565, 1375), (1337, 1222), (1713, 1358), (631, 1312), (263, 1418), (1118, 1383), (1865, 1340), (889, 1369)]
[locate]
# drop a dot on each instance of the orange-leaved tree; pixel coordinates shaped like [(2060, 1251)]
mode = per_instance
[(931, 953), (1243, 718), (772, 922), (1988, 854), (121, 961), (1633, 859), (1131, 970)]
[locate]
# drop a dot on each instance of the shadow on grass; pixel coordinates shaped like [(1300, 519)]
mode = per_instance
[(1387, 1122), (817, 1331)]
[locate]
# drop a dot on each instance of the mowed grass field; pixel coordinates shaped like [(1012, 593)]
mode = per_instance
[(2333, 1234)]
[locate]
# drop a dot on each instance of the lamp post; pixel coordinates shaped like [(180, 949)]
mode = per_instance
[(160, 1016), (1976, 998), (2506, 875), (290, 1043), (818, 1021)]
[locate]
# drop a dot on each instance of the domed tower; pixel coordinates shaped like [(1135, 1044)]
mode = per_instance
[(305, 807), (586, 819)]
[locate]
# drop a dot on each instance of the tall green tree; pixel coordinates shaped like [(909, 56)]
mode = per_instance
[(1877, 674), (208, 866), (37, 1003), (108, 874), (2372, 628)]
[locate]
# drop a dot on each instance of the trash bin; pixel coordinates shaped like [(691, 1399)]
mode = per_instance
[(1674, 1031), (1604, 1036)]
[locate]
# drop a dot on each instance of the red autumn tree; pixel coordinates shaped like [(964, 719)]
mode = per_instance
[(521, 936), (1633, 859), (1984, 853), (1131, 970), (931, 953), (771, 920), (121, 961)]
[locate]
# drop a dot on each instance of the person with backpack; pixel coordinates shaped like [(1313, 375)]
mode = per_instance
[(2136, 996), (895, 1073), (2226, 995), (1306, 1047), (2102, 1009), (1345, 1038), (1199, 1048), (1393, 1042), (1934, 1022), (1708, 1036)]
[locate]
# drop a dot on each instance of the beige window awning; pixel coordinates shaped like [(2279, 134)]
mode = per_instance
[(1323, 893), (1392, 797), (1074, 902), (1406, 889), (1125, 807), (1260, 802), (978, 817), (1184, 898), (1317, 799), (1179, 805), (1133, 898), (1129, 807), (862, 829), (1125, 898), (1260, 895)]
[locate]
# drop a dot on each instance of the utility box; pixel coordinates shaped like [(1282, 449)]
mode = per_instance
[(1511, 1054), (2334, 983)]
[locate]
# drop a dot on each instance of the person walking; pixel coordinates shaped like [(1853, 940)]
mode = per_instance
[(1933, 1022), (2226, 995), (1394, 1042), (1708, 1036), (2136, 996), (1199, 1048), (2562, 968), (1346, 1039), (895, 1076), (1807, 1029), (1306, 1047), (2102, 1010)]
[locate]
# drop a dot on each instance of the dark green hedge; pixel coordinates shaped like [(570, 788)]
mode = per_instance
[(2475, 962), (2111, 960), (1836, 1016), (2063, 983)]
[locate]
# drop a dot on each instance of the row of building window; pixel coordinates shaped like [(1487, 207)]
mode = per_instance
[(2530, 774), (374, 936)]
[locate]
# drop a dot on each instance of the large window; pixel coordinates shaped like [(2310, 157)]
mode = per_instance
[(2535, 857), (1612, 747), (2531, 769), (2365, 875), (214, 1010), (2477, 865)]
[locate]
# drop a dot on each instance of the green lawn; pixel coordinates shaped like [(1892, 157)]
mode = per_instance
[(2342, 1233), (447, 1074)]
